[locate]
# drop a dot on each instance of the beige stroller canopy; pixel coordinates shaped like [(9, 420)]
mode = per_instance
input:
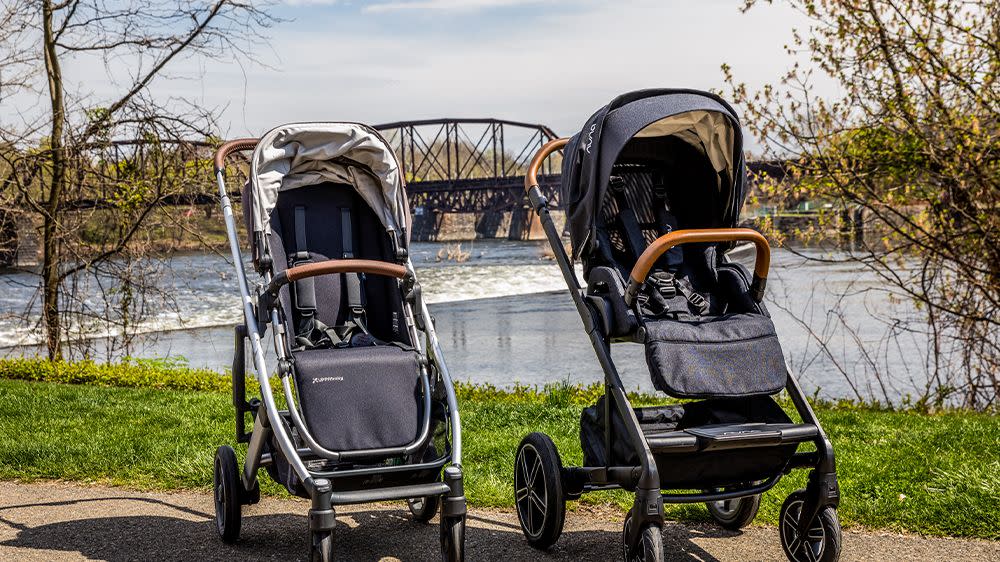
[(303, 154)]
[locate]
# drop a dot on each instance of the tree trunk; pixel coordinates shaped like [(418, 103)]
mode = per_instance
[(50, 223)]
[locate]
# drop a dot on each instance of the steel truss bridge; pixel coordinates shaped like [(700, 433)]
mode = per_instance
[(472, 166)]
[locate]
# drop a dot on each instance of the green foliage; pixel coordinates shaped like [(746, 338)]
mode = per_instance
[(131, 374)]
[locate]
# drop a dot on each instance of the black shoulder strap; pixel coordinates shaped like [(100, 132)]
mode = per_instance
[(305, 290), (626, 216), (301, 248), (347, 232), (354, 281)]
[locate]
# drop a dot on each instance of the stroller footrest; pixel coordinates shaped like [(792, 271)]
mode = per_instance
[(393, 493), (730, 436)]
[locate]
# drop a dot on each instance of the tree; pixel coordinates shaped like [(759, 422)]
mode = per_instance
[(58, 156), (912, 138)]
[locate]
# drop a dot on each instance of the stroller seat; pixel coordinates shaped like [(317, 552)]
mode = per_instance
[(351, 357)]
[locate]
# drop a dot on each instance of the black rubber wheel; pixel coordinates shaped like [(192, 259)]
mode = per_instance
[(321, 546), (538, 490), (424, 509), (824, 538), (228, 494), (649, 547), (453, 539), (734, 514)]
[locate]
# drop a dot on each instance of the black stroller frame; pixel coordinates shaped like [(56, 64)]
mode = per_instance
[(641, 534), (284, 433)]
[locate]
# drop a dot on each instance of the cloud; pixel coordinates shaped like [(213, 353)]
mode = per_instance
[(444, 5)]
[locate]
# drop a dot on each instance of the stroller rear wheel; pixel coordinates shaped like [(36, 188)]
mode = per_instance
[(648, 548), (228, 494), (823, 540), (734, 514), (321, 546), (538, 490), (453, 539)]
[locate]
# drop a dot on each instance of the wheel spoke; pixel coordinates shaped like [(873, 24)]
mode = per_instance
[(810, 555), (537, 502), (531, 520), (792, 522), (521, 493), (535, 468), (524, 467)]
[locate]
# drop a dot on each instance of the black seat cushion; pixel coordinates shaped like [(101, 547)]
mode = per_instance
[(361, 397), (731, 355)]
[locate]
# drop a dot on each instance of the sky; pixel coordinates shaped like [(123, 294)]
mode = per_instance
[(542, 61)]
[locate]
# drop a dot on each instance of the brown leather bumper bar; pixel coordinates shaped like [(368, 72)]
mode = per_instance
[(660, 246), (531, 177), (232, 146), (328, 267), (345, 266)]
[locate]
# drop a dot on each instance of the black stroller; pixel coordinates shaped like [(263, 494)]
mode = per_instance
[(371, 412), (653, 188)]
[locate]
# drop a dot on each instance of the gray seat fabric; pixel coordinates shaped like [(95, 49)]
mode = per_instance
[(360, 398), (731, 355)]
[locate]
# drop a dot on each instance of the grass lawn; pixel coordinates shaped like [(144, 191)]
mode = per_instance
[(932, 474)]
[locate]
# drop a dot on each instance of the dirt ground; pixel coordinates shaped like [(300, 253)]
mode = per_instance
[(55, 521)]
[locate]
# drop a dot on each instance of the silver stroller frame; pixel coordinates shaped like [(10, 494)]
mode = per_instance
[(269, 422)]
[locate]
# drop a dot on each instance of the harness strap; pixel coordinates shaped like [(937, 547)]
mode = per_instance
[(661, 286), (304, 289), (698, 302), (626, 216), (353, 281)]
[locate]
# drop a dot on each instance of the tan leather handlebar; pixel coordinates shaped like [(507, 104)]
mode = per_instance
[(327, 267), (345, 266), (660, 246), (232, 146), (531, 177)]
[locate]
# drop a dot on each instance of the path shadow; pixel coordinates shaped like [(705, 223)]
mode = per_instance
[(360, 535)]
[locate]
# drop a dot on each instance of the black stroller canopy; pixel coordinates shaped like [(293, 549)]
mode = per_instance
[(686, 118)]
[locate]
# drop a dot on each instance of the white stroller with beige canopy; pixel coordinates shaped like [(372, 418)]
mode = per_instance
[(371, 413)]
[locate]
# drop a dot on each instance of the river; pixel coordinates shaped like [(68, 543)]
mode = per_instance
[(504, 317)]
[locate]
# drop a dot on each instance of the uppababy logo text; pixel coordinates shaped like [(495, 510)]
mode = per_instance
[(590, 138), (327, 379)]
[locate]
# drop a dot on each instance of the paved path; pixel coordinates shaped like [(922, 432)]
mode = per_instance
[(70, 522)]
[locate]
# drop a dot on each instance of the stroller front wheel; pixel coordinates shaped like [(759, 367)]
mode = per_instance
[(648, 547), (734, 514), (321, 546), (823, 540), (453, 539), (538, 490), (228, 494)]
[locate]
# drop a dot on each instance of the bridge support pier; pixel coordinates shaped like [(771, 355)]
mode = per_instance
[(489, 223), (525, 225)]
